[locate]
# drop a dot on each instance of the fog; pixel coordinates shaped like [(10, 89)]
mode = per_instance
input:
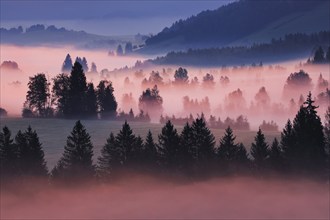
[(143, 197), (222, 104)]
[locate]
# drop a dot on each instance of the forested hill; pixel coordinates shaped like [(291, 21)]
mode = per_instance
[(237, 21), (291, 46)]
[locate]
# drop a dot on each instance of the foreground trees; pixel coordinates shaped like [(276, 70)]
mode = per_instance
[(302, 149)]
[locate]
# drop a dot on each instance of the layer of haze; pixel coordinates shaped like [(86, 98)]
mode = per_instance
[(32, 60), (142, 197)]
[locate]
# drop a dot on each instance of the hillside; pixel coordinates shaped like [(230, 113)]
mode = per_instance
[(242, 22), (39, 34)]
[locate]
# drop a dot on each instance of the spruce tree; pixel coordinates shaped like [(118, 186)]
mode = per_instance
[(77, 92), (186, 150), (106, 99), (309, 151), (275, 155), (110, 157), (150, 153), (259, 150), (288, 142), (203, 141), (31, 160), (8, 154), (228, 149), (125, 141), (169, 142), (327, 131), (241, 155), (67, 64), (91, 101), (76, 161)]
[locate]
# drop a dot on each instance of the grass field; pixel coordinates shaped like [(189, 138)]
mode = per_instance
[(53, 133)]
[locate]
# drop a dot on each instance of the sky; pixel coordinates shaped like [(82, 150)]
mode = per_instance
[(101, 16)]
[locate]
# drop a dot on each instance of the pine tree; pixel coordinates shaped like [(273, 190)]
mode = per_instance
[(275, 155), (67, 64), (327, 56), (203, 141), (288, 141), (259, 150), (228, 149), (106, 99), (77, 92), (91, 101), (169, 145), (241, 155), (110, 158), (30, 154), (186, 150), (319, 56), (8, 153), (309, 151), (76, 161), (150, 153), (327, 131), (125, 141)]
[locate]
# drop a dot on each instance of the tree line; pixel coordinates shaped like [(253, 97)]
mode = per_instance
[(302, 148)]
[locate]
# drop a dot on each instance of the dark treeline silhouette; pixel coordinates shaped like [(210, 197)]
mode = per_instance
[(320, 56), (72, 97), (240, 123), (302, 149), (288, 47)]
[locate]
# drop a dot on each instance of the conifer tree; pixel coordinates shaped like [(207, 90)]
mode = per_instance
[(169, 145), (30, 154), (110, 157), (67, 64), (228, 149), (288, 140), (106, 99), (91, 101), (310, 142), (275, 155), (186, 147), (259, 150), (150, 153), (76, 161), (203, 141), (8, 154), (125, 141)]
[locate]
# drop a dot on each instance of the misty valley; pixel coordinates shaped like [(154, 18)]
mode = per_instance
[(222, 115)]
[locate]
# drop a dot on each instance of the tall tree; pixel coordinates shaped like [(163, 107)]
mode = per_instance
[(319, 56), (77, 91), (67, 64), (76, 161), (327, 130), (186, 147), (260, 150), (309, 151), (228, 149), (203, 141), (327, 56), (110, 158), (91, 101), (119, 50), (169, 141), (125, 141), (37, 98), (181, 75), (106, 99), (60, 93), (30, 154), (275, 155), (150, 153), (128, 48), (8, 153)]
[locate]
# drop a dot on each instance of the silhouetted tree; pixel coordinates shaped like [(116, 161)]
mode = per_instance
[(77, 92), (67, 64), (128, 48), (110, 158), (227, 149), (31, 160), (8, 154), (181, 75), (125, 141), (150, 153), (319, 56), (83, 63), (327, 131), (327, 56), (37, 98), (151, 101), (60, 93), (275, 156), (169, 146), (91, 101), (260, 150), (119, 50), (186, 150), (76, 161), (106, 100), (309, 151), (203, 143)]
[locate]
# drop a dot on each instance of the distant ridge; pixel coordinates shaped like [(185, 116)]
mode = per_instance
[(241, 23)]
